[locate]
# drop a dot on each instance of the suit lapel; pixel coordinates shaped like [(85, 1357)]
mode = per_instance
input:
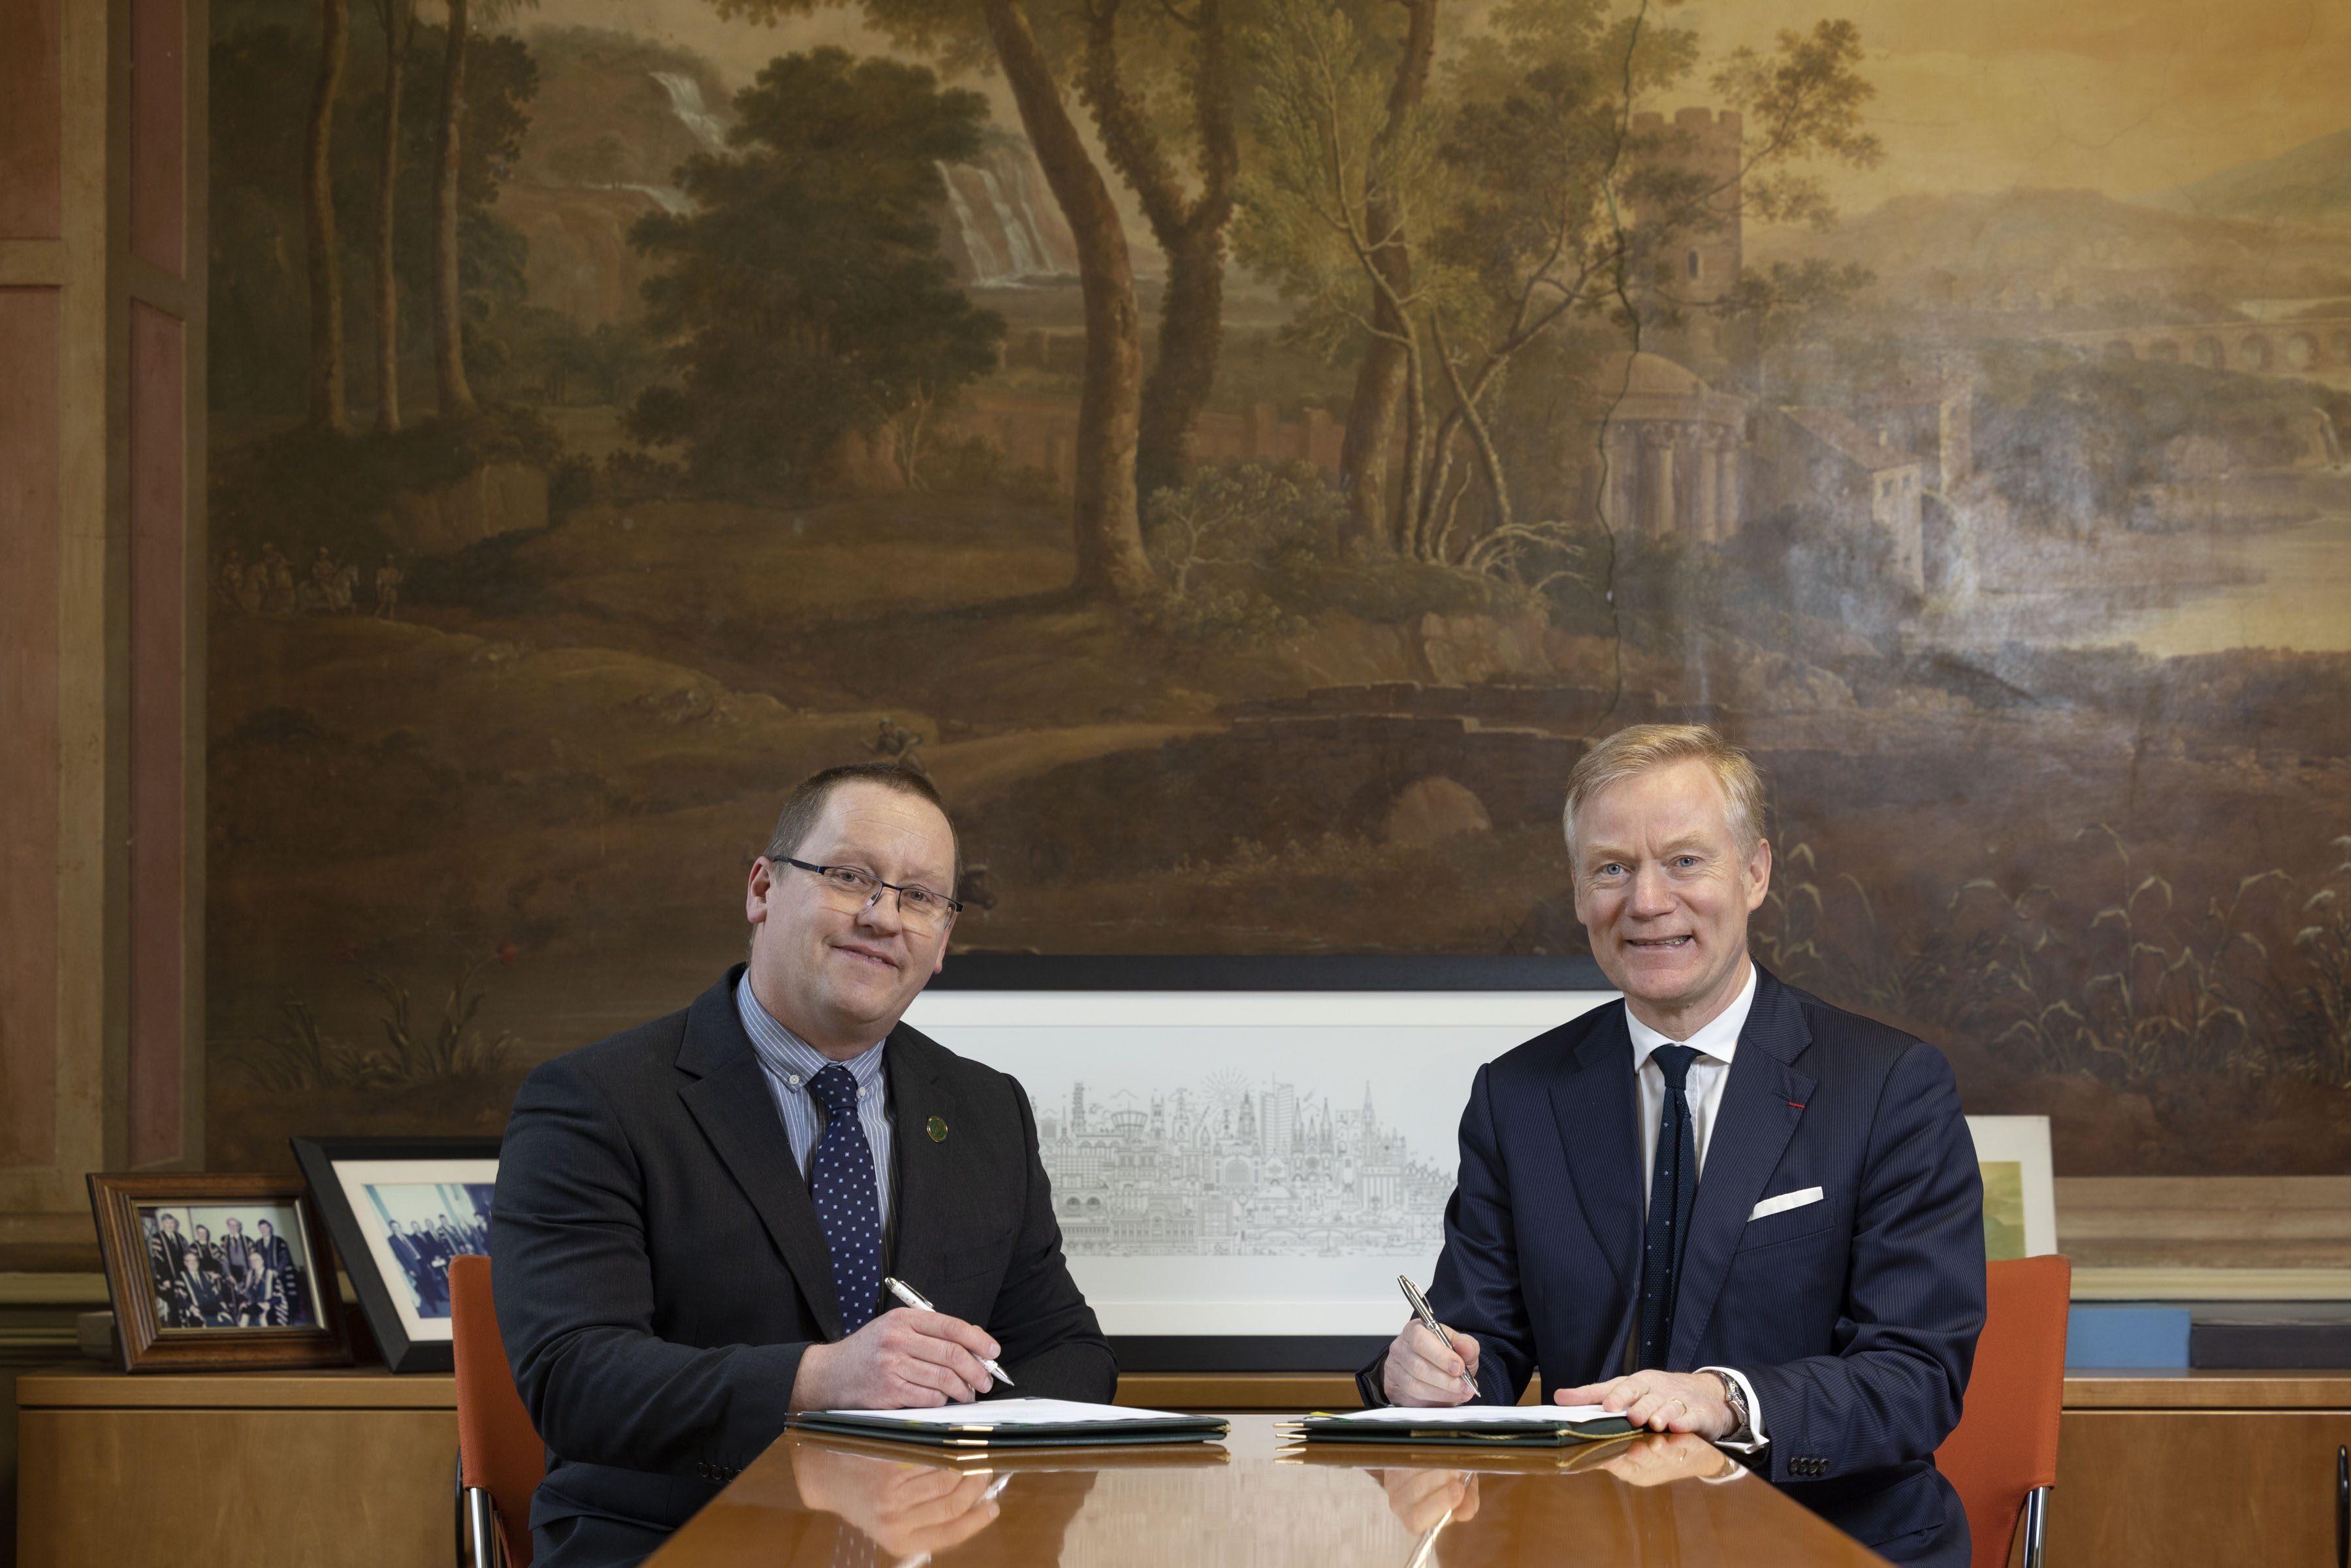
[(728, 1099), (1761, 1104), (930, 1211), (1599, 1130)]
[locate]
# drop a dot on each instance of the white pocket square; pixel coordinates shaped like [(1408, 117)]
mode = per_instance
[(1784, 1202)]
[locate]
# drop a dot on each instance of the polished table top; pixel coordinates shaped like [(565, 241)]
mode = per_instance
[(1650, 1502)]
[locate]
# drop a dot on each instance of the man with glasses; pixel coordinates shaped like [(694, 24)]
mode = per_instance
[(693, 1219)]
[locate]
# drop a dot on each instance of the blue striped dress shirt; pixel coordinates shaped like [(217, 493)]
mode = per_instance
[(790, 1062)]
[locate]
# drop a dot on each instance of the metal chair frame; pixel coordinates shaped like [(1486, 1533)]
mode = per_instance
[(2035, 1524), (479, 1544)]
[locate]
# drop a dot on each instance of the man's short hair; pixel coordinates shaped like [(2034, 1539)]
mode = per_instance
[(1642, 747), (806, 803)]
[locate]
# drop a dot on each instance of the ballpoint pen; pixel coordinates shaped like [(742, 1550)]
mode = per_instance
[(1428, 1321), (914, 1298)]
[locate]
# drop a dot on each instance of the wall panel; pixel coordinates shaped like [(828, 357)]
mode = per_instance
[(31, 430), (158, 732), (159, 138), (30, 204)]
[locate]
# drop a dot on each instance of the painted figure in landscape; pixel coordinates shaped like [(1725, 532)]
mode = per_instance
[(1242, 451)]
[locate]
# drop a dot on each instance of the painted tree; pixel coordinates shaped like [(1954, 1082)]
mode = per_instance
[(1159, 81), (1106, 522), (1346, 159), (1449, 237), (325, 387), (1381, 378), (398, 20), (456, 394), (805, 289), (449, 384)]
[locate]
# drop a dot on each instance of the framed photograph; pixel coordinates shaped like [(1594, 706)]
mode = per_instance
[(1293, 1119), (2020, 1185), (216, 1271), (399, 1209)]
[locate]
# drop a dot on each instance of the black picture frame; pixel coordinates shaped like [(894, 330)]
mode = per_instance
[(997, 971), (403, 1350), (991, 971)]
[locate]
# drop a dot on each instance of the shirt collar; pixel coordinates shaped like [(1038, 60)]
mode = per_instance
[(791, 1060), (1719, 1039)]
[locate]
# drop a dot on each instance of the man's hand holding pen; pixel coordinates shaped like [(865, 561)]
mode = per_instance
[(1421, 1371), (901, 1360)]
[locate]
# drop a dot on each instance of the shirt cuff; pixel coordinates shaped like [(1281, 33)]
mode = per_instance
[(1756, 1440)]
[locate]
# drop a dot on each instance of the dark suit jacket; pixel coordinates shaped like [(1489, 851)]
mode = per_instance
[(661, 1268), (1856, 1318)]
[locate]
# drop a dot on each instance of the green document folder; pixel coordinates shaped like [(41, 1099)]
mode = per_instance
[(1016, 1423), (1480, 1426)]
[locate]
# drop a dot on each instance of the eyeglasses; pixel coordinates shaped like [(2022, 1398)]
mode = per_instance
[(918, 907)]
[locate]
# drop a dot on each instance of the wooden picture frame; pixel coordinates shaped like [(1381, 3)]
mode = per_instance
[(357, 1184), (187, 1300)]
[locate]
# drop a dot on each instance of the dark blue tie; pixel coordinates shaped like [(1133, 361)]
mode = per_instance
[(1673, 1189), (848, 1204)]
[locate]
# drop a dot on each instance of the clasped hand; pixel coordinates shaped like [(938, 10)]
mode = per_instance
[(1661, 1401), (1420, 1371), (904, 1359)]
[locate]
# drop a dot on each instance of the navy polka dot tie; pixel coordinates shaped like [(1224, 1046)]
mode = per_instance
[(848, 1204)]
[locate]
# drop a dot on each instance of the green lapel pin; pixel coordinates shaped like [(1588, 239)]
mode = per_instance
[(938, 1128)]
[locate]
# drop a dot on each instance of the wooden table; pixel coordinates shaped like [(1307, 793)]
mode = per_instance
[(1253, 1499)]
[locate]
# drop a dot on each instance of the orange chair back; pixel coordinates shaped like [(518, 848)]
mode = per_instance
[(2006, 1442), (498, 1450)]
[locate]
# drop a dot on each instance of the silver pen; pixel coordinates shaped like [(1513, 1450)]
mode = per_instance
[(914, 1298), (1428, 1321)]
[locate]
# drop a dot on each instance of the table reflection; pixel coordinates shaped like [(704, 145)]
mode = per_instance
[(1642, 1501), (1504, 1506), (904, 1509)]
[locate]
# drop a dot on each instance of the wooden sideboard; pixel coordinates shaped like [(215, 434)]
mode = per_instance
[(345, 1467), (2198, 1466), (355, 1467)]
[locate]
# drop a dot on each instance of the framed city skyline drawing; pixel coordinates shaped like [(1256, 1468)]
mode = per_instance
[(1236, 1166)]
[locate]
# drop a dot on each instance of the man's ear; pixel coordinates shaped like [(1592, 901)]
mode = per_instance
[(755, 891), (1758, 872)]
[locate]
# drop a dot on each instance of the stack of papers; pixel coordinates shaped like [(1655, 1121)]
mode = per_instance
[(1016, 1423), (1515, 1425)]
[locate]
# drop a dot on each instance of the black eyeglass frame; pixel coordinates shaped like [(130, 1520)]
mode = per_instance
[(955, 906)]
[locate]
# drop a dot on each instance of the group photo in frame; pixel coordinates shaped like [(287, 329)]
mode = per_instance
[(399, 1209), (217, 1272)]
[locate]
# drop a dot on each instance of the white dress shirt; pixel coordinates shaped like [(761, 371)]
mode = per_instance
[(1716, 1044)]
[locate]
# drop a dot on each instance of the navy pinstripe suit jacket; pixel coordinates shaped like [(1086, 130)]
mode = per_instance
[(1855, 1317)]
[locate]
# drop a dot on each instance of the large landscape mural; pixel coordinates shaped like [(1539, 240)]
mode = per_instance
[(1242, 450)]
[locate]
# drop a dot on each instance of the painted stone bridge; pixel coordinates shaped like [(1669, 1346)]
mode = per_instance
[(2312, 348), (1335, 760)]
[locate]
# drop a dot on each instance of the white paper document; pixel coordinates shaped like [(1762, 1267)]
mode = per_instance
[(1478, 1414), (1015, 1412)]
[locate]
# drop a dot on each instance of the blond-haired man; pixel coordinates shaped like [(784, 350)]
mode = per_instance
[(1723, 1207)]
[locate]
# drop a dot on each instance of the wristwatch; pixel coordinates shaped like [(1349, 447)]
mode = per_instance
[(1745, 1431)]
